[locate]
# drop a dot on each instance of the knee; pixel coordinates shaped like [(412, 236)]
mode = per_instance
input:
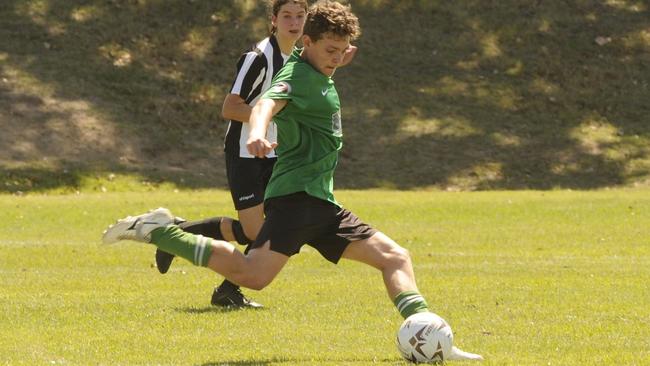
[(254, 282), (398, 256)]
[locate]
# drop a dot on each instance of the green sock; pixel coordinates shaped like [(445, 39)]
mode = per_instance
[(409, 303), (195, 248)]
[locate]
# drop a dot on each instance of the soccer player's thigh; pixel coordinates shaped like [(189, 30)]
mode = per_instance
[(359, 241), (393, 261), (351, 238), (375, 251), (280, 237), (263, 265)]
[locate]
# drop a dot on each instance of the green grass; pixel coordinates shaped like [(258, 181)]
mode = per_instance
[(525, 278)]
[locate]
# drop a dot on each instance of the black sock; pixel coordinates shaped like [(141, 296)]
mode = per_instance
[(209, 227), (212, 228), (240, 236), (227, 286)]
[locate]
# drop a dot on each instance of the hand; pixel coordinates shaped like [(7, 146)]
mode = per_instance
[(259, 146), (349, 55)]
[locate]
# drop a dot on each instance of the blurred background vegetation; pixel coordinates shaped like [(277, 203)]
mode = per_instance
[(464, 95)]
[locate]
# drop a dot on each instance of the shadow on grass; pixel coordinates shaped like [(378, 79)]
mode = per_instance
[(243, 363), (215, 309), (72, 177), (556, 97), (33, 179), (295, 360)]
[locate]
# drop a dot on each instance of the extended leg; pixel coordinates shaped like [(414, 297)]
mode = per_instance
[(219, 228), (255, 270), (394, 262)]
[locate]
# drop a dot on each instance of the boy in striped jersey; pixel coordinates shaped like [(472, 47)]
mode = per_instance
[(299, 202)]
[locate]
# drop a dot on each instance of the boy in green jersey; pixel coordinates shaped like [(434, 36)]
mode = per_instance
[(299, 202)]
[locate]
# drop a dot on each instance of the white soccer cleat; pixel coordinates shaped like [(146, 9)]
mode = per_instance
[(458, 355), (138, 228)]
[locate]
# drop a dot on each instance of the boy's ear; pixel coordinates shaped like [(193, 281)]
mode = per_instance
[(306, 41)]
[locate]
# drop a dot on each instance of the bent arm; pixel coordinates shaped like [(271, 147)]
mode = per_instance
[(260, 117), (235, 108)]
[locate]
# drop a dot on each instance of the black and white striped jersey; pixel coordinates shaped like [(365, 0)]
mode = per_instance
[(255, 70)]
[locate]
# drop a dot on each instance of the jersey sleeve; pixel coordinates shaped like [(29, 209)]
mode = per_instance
[(251, 71), (281, 89), (289, 84)]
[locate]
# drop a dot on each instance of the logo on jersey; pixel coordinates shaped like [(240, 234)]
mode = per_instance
[(324, 91), (281, 87), (336, 124)]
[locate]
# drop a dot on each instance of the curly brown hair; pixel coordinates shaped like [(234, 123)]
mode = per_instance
[(275, 5), (327, 16)]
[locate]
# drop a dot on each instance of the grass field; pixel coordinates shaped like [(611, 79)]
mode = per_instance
[(525, 278)]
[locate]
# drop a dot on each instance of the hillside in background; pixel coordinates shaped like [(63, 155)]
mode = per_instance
[(511, 94)]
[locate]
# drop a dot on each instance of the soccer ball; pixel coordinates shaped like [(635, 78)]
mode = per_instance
[(425, 337)]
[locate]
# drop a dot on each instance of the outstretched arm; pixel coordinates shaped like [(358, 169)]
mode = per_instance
[(261, 116)]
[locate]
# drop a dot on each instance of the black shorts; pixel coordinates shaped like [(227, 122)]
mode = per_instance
[(298, 219), (247, 179)]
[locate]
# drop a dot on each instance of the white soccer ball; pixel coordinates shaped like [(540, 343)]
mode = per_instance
[(425, 337)]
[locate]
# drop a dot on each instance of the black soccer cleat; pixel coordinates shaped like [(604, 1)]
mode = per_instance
[(163, 261), (232, 297)]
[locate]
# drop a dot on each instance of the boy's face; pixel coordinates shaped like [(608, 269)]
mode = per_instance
[(326, 54), (290, 21)]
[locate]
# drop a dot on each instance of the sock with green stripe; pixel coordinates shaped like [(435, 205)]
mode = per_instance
[(409, 303), (195, 248)]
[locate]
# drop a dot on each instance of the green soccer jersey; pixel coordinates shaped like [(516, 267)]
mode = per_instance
[(309, 131)]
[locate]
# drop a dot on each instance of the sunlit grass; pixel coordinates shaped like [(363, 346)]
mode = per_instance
[(525, 278)]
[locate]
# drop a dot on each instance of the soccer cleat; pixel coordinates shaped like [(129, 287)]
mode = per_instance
[(138, 228), (232, 298), (458, 355), (164, 259)]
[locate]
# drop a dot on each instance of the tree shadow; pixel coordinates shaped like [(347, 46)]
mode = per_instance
[(519, 95), (137, 86), (502, 105)]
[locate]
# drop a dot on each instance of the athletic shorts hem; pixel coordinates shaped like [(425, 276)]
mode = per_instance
[(298, 219)]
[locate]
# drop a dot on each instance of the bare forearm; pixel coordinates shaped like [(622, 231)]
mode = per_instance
[(241, 113), (261, 116), (235, 108)]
